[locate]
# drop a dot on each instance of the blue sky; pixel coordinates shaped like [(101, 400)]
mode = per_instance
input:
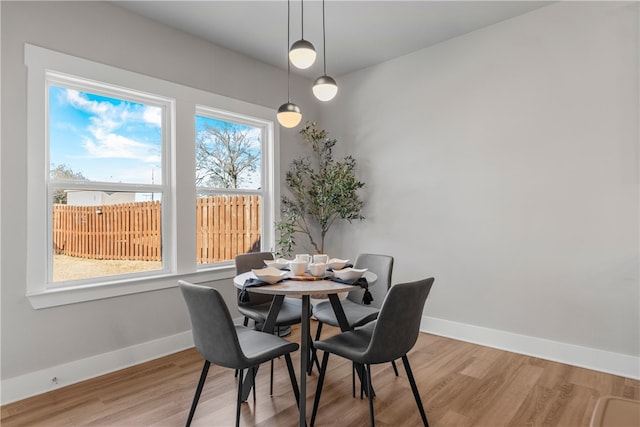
[(112, 140), (103, 138)]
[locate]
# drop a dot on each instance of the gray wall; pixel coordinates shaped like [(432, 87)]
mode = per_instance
[(505, 163), (36, 339)]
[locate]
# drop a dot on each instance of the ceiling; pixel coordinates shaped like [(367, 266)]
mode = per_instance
[(359, 33)]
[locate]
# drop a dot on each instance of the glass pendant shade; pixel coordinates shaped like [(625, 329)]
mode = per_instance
[(289, 115), (302, 54), (325, 88)]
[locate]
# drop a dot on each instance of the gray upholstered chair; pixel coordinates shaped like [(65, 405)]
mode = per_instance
[(257, 308), (221, 342), (390, 337), (356, 312)]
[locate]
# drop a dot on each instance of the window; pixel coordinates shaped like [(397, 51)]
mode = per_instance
[(106, 154), (229, 189), (115, 168)]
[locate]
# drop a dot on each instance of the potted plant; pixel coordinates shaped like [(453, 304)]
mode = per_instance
[(322, 191)]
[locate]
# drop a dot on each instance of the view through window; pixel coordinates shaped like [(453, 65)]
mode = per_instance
[(105, 184), (229, 187)]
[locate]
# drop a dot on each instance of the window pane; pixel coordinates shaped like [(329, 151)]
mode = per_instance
[(228, 155), (227, 225), (97, 233), (98, 138)]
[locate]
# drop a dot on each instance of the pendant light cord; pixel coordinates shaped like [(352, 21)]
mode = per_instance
[(288, 41), (324, 42), (302, 18)]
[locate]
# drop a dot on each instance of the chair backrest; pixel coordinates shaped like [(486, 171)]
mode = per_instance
[(381, 266), (247, 262), (214, 333), (396, 330)]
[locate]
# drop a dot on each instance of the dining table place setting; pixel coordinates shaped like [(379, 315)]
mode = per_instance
[(305, 267)]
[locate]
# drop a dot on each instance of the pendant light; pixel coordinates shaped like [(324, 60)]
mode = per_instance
[(325, 87), (289, 114), (302, 53)]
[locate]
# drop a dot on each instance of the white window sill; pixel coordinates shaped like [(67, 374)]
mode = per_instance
[(71, 295)]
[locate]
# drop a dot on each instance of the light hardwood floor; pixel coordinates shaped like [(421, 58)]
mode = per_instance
[(461, 384)]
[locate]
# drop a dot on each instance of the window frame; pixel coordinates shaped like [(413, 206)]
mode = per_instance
[(266, 176), (179, 229), (168, 107)]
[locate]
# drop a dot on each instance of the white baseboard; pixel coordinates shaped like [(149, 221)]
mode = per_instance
[(585, 357), (38, 382), (33, 383)]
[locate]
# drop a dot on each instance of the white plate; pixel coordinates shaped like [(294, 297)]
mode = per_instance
[(269, 274), (349, 273)]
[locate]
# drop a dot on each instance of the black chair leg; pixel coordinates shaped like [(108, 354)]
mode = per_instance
[(271, 380), (353, 379), (203, 377), (239, 401), (367, 369), (314, 352), (319, 330), (414, 388), (292, 377), (313, 357), (254, 370), (395, 368), (316, 400)]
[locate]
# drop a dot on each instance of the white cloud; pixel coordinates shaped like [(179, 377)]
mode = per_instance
[(118, 146), (107, 119), (152, 115)]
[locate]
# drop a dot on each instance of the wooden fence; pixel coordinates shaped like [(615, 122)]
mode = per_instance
[(225, 226)]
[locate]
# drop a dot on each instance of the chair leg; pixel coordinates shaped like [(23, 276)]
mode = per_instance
[(319, 330), (239, 401), (203, 377), (367, 369), (313, 357), (271, 380), (254, 371), (353, 379), (414, 388), (316, 400), (292, 377), (395, 368), (246, 321)]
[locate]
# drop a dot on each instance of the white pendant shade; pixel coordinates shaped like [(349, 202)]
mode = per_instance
[(302, 54), (325, 88), (289, 115)]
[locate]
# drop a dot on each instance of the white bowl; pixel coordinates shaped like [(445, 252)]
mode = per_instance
[(279, 263), (349, 273), (337, 264), (269, 274)]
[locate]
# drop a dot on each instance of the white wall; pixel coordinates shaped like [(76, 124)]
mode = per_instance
[(505, 164), (118, 331)]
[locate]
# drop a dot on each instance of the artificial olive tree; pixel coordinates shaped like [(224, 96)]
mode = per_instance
[(322, 191)]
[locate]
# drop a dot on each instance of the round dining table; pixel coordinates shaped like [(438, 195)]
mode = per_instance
[(303, 287)]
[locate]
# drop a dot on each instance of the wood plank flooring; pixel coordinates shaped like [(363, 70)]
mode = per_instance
[(461, 385)]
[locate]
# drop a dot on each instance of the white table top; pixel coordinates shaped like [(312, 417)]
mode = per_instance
[(292, 287)]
